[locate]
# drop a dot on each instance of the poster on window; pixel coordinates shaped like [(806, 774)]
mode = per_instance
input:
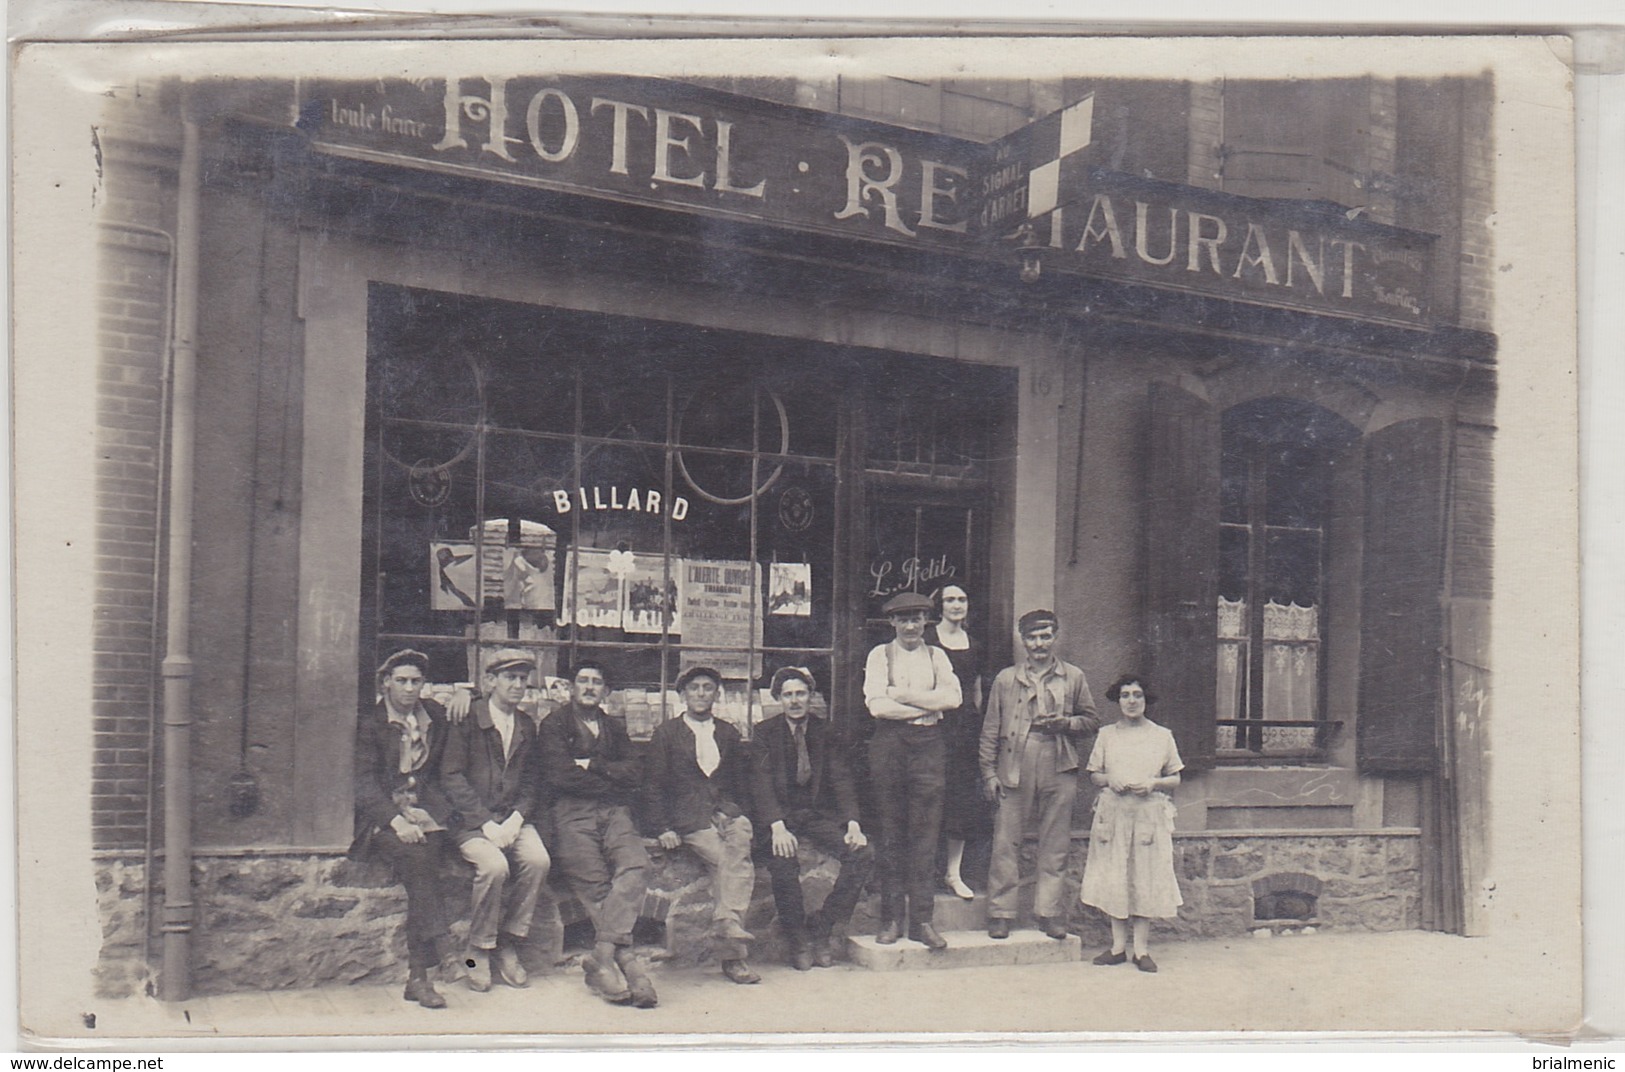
[(718, 610), (453, 582), (651, 595), (789, 589), (592, 589)]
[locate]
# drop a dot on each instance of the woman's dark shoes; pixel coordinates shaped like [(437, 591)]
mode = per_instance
[(927, 936), (998, 927), (423, 992), (1145, 963), (889, 933), (739, 972), (1052, 927), (1108, 958)]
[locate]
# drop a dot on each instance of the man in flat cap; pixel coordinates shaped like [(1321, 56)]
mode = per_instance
[(490, 775), (400, 813), (1038, 714), (591, 777), (699, 776), (907, 685), (804, 793)]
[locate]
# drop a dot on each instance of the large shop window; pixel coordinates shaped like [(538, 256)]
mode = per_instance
[(654, 496)]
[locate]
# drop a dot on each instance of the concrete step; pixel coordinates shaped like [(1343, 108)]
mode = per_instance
[(949, 913), (966, 949)]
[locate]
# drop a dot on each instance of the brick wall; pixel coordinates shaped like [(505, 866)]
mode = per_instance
[(133, 307), (1477, 205)]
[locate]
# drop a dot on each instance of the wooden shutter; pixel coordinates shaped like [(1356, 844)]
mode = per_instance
[(1401, 620), (1182, 567)]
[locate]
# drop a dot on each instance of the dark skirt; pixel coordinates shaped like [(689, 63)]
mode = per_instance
[(966, 816)]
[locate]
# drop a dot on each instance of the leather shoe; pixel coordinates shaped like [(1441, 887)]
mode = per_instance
[(998, 927), (734, 932), (889, 933), (642, 989), (606, 981), (1145, 963), (479, 970), (1108, 958), (823, 953), (509, 969), (1052, 926), (738, 971), (801, 958), (927, 936), (423, 992)]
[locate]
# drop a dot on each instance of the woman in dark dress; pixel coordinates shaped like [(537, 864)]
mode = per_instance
[(964, 813)]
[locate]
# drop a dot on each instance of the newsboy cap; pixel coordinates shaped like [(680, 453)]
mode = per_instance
[(509, 659), (697, 671), (906, 603), (404, 657)]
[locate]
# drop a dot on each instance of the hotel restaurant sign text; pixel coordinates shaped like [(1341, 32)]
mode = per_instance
[(675, 146)]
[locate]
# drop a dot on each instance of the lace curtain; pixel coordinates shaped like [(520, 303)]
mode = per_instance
[(1291, 671)]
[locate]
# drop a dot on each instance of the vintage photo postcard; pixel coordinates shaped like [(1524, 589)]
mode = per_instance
[(548, 541)]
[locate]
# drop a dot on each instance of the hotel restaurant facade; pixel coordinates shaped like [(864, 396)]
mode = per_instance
[(704, 371)]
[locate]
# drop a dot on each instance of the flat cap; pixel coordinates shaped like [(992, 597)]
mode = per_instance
[(1037, 619), (906, 603), (509, 659), (697, 671)]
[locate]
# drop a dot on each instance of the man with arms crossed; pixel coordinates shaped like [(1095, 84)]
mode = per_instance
[(1036, 713), (590, 777), (907, 685)]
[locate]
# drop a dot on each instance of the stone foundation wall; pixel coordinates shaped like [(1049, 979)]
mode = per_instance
[(271, 922)]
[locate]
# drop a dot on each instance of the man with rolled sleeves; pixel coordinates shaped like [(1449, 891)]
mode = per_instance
[(490, 776), (907, 685), (700, 772), (591, 777), (804, 793), (1037, 713)]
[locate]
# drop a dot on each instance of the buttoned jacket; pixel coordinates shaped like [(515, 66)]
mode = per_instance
[(830, 789), (479, 782), (1015, 701)]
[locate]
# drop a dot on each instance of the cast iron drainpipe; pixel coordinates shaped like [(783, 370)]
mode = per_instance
[(175, 981)]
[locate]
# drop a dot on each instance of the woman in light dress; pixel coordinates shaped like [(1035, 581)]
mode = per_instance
[(1129, 873)]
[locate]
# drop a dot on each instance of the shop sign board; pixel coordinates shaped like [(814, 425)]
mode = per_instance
[(677, 146)]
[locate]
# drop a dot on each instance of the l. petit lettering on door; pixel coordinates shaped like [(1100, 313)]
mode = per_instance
[(683, 147)]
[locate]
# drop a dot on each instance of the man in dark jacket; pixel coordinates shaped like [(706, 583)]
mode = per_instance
[(591, 778), (491, 777), (400, 813), (700, 772), (804, 792)]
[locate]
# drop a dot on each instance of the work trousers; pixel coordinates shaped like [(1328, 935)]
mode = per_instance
[(417, 867), (811, 827), (1045, 795), (908, 765), (491, 885), (604, 861), (725, 848)]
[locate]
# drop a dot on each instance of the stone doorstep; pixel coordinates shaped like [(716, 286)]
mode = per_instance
[(966, 949)]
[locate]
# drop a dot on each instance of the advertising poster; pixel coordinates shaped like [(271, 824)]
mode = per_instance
[(592, 591), (717, 611), (790, 589)]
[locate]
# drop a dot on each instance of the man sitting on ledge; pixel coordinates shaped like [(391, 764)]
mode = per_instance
[(700, 772)]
